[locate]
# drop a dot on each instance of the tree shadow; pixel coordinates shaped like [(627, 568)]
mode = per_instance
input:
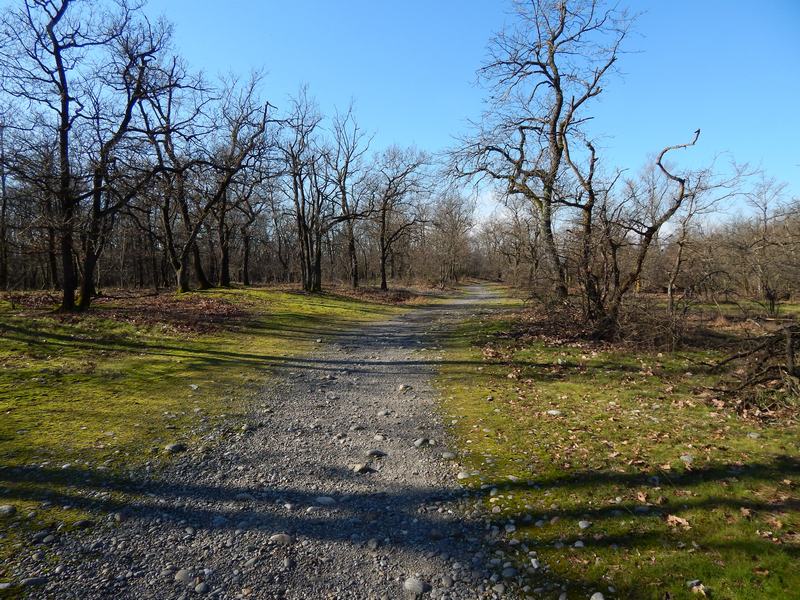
[(641, 525)]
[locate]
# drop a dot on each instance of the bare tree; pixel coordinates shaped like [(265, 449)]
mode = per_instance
[(198, 160), (81, 70), (542, 74), (399, 180), (346, 165)]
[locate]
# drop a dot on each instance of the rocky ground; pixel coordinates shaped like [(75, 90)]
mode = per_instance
[(341, 485)]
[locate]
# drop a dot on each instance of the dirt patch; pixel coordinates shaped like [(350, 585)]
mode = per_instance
[(395, 296), (186, 314)]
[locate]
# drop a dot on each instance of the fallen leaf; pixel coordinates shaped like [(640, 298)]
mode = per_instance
[(675, 521)]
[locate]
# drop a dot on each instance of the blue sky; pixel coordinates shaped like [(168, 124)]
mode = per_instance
[(731, 68)]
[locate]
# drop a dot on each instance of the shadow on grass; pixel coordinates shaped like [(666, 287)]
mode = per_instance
[(638, 527), (408, 518)]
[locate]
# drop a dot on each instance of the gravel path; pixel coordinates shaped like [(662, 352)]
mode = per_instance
[(342, 486)]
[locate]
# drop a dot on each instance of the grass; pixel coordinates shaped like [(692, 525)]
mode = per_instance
[(676, 489), (101, 394)]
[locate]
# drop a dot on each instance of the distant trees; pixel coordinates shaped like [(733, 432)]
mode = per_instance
[(79, 76), (542, 72), (121, 166)]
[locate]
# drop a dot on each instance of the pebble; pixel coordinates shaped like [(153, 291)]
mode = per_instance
[(83, 524), (201, 588), (7, 510), (324, 500), (175, 447), (415, 586), (183, 576), (584, 524), (420, 442), (282, 539), (554, 413), (448, 455), (375, 453), (33, 581), (597, 596)]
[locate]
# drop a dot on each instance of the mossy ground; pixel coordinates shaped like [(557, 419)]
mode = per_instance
[(91, 397), (675, 489)]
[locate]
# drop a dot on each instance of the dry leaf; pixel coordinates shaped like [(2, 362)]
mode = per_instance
[(675, 521)]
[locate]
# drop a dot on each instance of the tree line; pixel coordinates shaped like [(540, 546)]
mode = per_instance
[(121, 166), (577, 226)]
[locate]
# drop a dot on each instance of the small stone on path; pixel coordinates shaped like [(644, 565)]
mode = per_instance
[(282, 539), (175, 447), (415, 586)]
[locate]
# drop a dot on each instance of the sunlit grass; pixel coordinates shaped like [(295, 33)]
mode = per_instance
[(636, 439), (99, 397)]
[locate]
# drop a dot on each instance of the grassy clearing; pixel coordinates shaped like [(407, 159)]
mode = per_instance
[(84, 399), (674, 489)]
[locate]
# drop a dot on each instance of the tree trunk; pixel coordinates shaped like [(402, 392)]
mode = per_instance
[(182, 275), (552, 254), (245, 276), (316, 268), (87, 283), (353, 257), (384, 286), (225, 266), (202, 281), (224, 245), (69, 281), (382, 245)]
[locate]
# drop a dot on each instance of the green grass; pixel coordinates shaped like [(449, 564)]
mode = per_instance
[(743, 308), (85, 400), (626, 420)]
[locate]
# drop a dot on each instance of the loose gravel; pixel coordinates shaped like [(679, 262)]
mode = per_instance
[(340, 485)]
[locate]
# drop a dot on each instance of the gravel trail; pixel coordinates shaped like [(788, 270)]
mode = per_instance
[(337, 489)]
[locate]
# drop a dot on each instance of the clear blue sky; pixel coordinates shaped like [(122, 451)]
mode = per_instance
[(730, 67)]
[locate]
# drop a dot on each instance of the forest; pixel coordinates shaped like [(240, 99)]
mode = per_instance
[(201, 280)]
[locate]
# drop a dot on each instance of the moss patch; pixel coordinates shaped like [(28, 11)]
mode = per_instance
[(86, 399), (672, 489)]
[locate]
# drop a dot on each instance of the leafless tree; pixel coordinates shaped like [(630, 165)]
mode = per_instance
[(398, 181), (542, 74), (346, 166)]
